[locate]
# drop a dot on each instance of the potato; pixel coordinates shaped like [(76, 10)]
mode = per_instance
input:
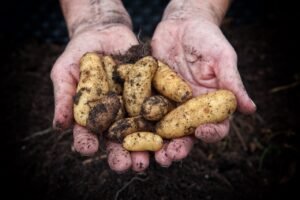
[(212, 107), (103, 113), (110, 67), (169, 84), (155, 107), (126, 126), (123, 70), (142, 141), (137, 86), (92, 86)]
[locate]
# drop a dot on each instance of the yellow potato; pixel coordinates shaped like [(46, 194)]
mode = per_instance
[(212, 107), (92, 86), (156, 107), (110, 67), (169, 84), (137, 86), (143, 141), (126, 126)]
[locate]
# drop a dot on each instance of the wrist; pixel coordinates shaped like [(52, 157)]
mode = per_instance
[(82, 16), (210, 10)]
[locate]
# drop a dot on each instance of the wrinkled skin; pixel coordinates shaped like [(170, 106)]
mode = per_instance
[(196, 49), (65, 75), (199, 52)]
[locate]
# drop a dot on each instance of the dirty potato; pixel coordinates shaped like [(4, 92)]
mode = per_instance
[(169, 84), (126, 126), (110, 67), (137, 86), (103, 113), (155, 107), (92, 86), (212, 107), (142, 141)]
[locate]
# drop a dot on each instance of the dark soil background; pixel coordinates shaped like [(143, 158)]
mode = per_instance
[(258, 160)]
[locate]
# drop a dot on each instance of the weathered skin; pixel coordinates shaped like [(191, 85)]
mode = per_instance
[(189, 29), (94, 26), (189, 40)]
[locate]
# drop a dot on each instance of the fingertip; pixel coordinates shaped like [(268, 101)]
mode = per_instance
[(179, 148), (247, 106), (119, 159), (140, 161), (63, 114), (162, 158), (211, 133), (85, 142)]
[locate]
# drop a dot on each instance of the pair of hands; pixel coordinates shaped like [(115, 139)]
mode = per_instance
[(195, 48)]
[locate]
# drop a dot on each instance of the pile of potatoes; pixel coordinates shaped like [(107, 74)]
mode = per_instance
[(142, 103)]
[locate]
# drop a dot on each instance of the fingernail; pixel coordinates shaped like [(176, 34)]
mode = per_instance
[(254, 105), (165, 166)]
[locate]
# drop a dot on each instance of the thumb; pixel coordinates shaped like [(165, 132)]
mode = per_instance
[(64, 76), (229, 78)]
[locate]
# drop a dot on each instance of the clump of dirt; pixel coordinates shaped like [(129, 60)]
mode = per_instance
[(134, 53)]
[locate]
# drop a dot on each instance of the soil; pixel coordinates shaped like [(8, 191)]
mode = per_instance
[(258, 160)]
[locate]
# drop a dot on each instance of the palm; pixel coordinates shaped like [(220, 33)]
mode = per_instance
[(195, 51), (65, 75), (200, 53)]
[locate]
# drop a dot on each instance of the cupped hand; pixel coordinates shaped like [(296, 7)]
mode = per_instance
[(200, 53), (111, 39)]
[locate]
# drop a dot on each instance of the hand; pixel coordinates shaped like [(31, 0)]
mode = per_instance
[(111, 39), (199, 52)]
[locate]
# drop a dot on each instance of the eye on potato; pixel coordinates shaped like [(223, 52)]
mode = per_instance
[(137, 85), (142, 141), (212, 107), (110, 67), (126, 126), (92, 86), (169, 84), (155, 107)]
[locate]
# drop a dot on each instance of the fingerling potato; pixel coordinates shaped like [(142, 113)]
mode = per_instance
[(142, 141), (168, 83), (213, 107)]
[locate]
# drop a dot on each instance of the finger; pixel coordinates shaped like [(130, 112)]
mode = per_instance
[(119, 159), (229, 78), (85, 142), (64, 77), (179, 148), (211, 133), (162, 158), (140, 161)]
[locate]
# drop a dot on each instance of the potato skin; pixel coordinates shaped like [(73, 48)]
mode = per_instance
[(156, 107), (123, 70), (169, 84), (137, 86), (110, 67), (102, 115), (92, 86), (142, 141), (212, 107), (126, 126)]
